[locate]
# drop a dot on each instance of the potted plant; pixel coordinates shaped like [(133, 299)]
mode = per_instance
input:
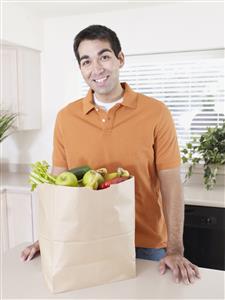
[(209, 149), (6, 123)]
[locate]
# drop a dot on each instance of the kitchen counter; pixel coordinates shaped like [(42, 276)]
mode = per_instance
[(23, 280), (194, 194)]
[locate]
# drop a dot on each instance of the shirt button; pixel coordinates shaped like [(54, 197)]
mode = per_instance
[(103, 120)]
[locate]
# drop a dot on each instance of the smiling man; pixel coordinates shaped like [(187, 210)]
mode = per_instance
[(100, 69), (115, 126)]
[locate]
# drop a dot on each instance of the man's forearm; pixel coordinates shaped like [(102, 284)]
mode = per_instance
[(173, 206)]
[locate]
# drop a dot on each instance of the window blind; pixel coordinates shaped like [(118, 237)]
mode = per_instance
[(191, 84)]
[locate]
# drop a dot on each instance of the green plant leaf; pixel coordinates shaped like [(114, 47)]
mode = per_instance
[(6, 122), (208, 148), (184, 159)]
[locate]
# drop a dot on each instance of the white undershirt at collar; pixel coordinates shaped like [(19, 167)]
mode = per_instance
[(106, 105)]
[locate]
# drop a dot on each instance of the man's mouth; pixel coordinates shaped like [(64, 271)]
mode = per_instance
[(101, 80)]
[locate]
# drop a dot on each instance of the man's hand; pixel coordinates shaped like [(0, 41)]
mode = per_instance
[(182, 269), (29, 252)]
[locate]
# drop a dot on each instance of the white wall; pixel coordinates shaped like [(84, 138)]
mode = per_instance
[(21, 27), (151, 29)]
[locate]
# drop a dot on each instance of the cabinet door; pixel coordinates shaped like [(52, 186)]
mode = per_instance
[(19, 215), (3, 223), (21, 85), (9, 86), (29, 82)]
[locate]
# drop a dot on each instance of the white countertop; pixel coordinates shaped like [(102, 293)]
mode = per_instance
[(24, 281), (194, 194)]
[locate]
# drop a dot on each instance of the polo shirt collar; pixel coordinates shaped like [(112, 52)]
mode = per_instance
[(88, 104), (129, 99)]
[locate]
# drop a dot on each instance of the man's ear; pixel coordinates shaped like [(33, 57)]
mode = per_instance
[(121, 58)]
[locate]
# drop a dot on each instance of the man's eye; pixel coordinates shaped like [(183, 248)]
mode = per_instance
[(105, 57), (85, 63)]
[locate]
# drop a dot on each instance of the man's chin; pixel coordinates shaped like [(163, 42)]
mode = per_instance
[(101, 91)]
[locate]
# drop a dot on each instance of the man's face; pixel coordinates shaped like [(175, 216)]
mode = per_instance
[(100, 67)]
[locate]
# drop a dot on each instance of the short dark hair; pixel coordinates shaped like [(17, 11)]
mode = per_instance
[(97, 32)]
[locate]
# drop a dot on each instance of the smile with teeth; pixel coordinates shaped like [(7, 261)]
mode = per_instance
[(101, 80)]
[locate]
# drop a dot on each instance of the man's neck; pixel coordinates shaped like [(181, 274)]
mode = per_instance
[(111, 98)]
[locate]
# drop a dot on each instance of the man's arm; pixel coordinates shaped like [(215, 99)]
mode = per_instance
[(173, 207), (29, 252)]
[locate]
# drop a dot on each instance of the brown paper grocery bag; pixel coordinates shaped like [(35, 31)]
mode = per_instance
[(86, 236)]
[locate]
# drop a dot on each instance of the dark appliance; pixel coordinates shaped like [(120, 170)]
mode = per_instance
[(204, 236)]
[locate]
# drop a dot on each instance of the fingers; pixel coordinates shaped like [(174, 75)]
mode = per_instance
[(182, 269), (162, 267), (32, 253), (29, 252), (176, 273), (187, 274), (174, 267), (196, 270), (25, 253)]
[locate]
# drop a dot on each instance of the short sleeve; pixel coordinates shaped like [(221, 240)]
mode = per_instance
[(58, 156), (167, 153)]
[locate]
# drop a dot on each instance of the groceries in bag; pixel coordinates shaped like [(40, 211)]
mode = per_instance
[(82, 176)]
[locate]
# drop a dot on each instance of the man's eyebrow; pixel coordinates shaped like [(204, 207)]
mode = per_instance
[(104, 50), (99, 53), (84, 57)]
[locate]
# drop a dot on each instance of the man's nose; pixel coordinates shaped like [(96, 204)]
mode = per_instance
[(97, 67)]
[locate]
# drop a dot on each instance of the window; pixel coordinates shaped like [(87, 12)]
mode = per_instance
[(191, 84)]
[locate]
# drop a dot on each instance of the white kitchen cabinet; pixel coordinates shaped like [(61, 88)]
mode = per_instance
[(21, 85), (3, 223), (9, 89), (18, 215)]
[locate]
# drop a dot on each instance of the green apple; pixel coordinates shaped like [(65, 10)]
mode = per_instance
[(92, 179), (66, 179)]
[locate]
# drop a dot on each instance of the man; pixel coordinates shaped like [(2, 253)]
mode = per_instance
[(115, 126)]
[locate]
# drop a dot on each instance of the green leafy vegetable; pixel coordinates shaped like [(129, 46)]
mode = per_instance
[(40, 175)]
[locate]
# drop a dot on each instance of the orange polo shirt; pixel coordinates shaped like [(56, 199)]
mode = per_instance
[(138, 135)]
